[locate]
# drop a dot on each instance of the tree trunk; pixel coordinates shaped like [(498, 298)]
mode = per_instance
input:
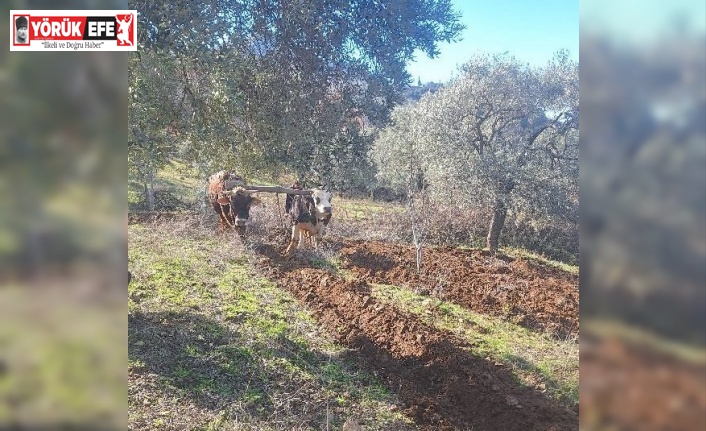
[(149, 188), (416, 239), (416, 234), (496, 226), (418, 246)]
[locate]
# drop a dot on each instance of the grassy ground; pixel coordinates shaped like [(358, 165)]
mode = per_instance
[(365, 210), (59, 360), (536, 359), (214, 346), (179, 182), (528, 255), (176, 180), (604, 328)]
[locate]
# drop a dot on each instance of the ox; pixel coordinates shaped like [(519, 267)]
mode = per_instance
[(309, 216), (231, 204)]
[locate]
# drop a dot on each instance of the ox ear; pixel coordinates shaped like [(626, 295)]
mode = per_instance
[(223, 201), (255, 200)]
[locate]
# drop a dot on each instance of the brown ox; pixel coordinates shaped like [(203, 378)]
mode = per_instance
[(230, 200)]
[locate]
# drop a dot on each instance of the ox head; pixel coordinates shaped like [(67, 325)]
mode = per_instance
[(322, 200), (240, 201)]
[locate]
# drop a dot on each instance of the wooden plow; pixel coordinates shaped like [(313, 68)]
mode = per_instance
[(231, 186)]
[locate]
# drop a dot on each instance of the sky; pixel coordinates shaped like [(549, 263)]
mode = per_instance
[(530, 30), (643, 21)]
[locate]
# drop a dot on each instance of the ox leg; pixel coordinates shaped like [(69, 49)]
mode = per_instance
[(316, 236), (292, 240), (302, 239)]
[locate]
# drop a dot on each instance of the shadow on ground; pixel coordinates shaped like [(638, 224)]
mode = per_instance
[(443, 385)]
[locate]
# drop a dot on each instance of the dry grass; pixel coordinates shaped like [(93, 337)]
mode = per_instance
[(212, 345)]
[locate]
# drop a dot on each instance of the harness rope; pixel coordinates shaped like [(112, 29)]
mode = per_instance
[(229, 213), (279, 210)]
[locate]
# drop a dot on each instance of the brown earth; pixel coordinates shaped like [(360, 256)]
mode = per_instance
[(531, 294), (442, 383), (628, 387)]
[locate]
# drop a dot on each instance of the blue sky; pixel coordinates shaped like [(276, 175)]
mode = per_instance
[(642, 21), (531, 30)]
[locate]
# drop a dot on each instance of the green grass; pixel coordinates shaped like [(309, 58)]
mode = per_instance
[(179, 180), (526, 254), (640, 337), (537, 360), (59, 362), (179, 177), (332, 264), (349, 209), (213, 345)]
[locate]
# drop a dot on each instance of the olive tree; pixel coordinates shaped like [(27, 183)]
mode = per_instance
[(402, 155), (151, 118), (296, 79), (503, 135)]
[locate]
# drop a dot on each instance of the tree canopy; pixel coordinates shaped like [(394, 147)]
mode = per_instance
[(278, 86), (501, 136)]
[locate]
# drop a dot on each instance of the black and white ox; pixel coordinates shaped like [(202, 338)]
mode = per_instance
[(309, 215), (230, 200)]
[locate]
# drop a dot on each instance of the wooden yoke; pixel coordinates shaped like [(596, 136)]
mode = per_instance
[(277, 189)]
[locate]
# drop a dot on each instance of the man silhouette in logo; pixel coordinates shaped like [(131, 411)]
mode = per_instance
[(21, 25), (124, 30)]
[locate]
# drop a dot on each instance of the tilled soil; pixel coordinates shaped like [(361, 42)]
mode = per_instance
[(533, 295), (443, 385)]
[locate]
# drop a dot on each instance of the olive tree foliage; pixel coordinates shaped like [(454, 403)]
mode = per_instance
[(503, 136), (149, 123), (401, 153), (284, 86), (180, 101)]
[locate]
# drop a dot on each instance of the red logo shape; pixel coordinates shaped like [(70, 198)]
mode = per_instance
[(126, 29)]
